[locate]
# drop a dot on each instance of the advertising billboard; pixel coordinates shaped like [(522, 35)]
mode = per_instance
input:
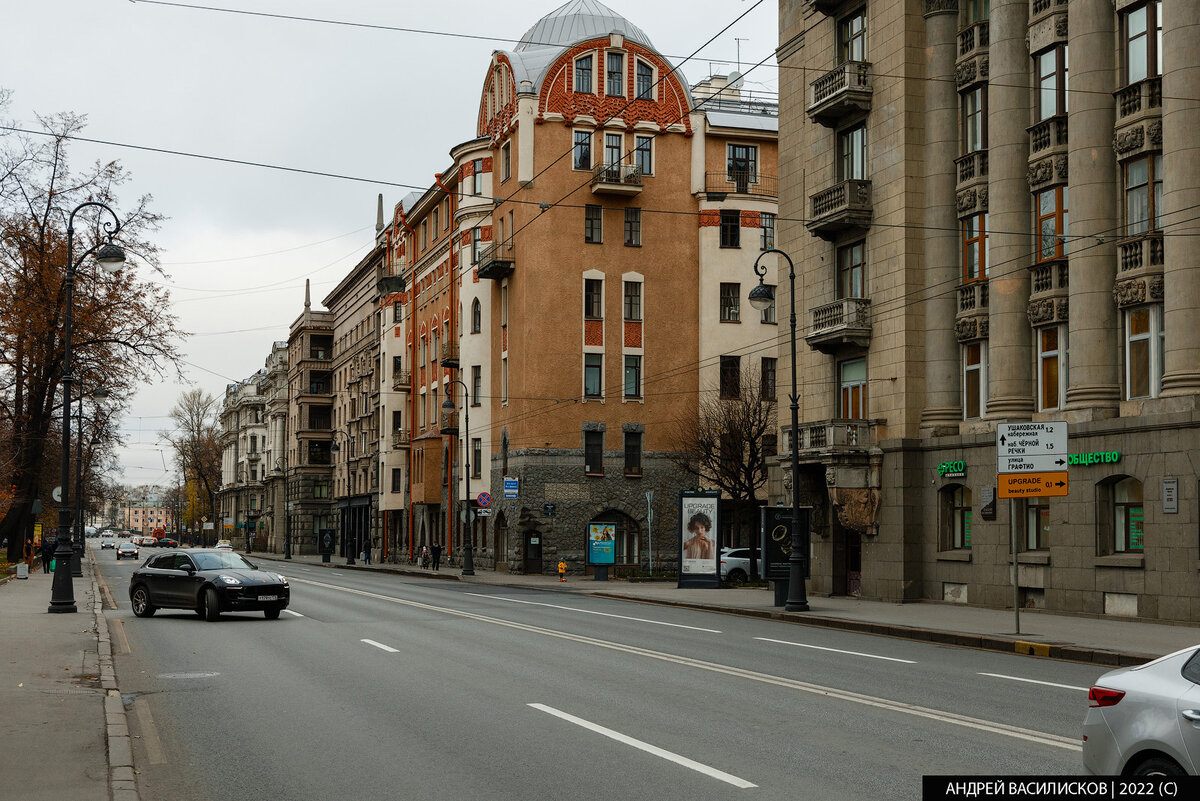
[(601, 541), (699, 560)]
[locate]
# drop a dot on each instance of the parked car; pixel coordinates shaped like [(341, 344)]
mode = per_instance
[(224, 545), (127, 549), (208, 581), (1145, 720), (107, 543), (735, 564)]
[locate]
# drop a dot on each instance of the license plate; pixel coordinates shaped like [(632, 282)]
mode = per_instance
[(268, 597)]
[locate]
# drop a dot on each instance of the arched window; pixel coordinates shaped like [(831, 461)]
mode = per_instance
[(955, 512), (627, 538), (476, 317)]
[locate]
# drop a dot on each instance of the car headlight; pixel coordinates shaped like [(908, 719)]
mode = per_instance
[(230, 579), (282, 578)]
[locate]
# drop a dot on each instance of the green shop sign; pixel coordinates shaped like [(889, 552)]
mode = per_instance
[(952, 469), (1098, 457)]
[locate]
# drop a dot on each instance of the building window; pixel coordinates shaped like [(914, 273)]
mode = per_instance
[(583, 150), (424, 234), (741, 165), (633, 227), (975, 247), (593, 375), (852, 395), (731, 377), (850, 262), (633, 453), (593, 298), (613, 145), (643, 154), (477, 178), (974, 379), (767, 315), (1052, 361), (592, 229), (436, 212), (768, 378), (1143, 195), (1128, 516), (506, 162), (731, 309), (476, 384), (397, 480), (1143, 352), (583, 74), (974, 11), (476, 316), (614, 74), (633, 376), (956, 507), (593, 453), (974, 120), (852, 154), (645, 81), (852, 36), (1141, 39), (633, 300), (476, 456), (731, 228), (476, 244), (1052, 223), (1051, 67), (504, 380), (1037, 524), (767, 240), (396, 312)]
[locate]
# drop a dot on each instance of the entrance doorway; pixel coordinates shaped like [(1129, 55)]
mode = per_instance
[(847, 561), (533, 552)]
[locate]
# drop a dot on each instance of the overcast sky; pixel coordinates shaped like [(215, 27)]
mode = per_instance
[(383, 105)]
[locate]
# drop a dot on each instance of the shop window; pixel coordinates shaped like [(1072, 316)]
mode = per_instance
[(1120, 515), (955, 507)]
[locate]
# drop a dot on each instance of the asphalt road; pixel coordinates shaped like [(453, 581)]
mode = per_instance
[(375, 686)]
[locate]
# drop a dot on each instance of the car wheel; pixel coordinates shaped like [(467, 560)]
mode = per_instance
[(736, 576), (212, 607), (1158, 766), (271, 614), (140, 598)]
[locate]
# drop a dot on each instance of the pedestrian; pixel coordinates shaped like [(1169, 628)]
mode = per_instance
[(47, 554), (437, 554), (366, 552), (424, 556)]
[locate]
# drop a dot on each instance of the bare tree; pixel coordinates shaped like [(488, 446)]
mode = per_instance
[(196, 440)]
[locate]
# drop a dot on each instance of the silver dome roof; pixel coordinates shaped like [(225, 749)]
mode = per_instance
[(579, 20)]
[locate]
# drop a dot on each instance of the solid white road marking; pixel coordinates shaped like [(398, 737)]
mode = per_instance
[(295, 614), (649, 749), (1004, 729), (837, 650), (590, 612), (381, 646), (1035, 681)]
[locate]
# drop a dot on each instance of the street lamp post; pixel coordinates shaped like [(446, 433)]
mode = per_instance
[(333, 447), (77, 546), (110, 257), (761, 297), (468, 568)]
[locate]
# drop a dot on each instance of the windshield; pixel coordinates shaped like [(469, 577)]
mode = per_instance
[(223, 559)]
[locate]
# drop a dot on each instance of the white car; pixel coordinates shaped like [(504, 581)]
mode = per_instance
[(735, 565), (224, 545), (1145, 720)]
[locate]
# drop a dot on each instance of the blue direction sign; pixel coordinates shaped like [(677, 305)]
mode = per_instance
[(511, 485), (483, 499)]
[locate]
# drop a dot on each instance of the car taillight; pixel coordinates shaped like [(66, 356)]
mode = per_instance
[(1102, 696)]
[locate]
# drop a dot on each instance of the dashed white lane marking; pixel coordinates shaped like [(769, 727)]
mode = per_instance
[(293, 614), (591, 612), (670, 756), (837, 650), (1035, 681), (829, 693), (381, 646)]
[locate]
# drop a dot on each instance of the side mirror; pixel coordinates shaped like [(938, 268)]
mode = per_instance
[(189, 569)]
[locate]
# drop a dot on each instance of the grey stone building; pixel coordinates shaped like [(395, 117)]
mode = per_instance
[(984, 267), (241, 498)]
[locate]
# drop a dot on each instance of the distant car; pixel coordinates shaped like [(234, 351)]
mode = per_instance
[(224, 545), (1145, 720), (207, 581), (167, 542), (127, 549), (107, 543), (735, 565)]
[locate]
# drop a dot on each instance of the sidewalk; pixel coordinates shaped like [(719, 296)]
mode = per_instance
[(59, 727), (1099, 640)]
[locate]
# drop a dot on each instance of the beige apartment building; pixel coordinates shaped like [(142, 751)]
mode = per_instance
[(964, 262)]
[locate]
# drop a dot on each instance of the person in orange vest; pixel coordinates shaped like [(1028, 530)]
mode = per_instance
[(562, 571)]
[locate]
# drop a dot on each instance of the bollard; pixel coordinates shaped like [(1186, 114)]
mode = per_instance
[(562, 571)]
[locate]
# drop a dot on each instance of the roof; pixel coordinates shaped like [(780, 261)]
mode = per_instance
[(757, 122), (578, 20)]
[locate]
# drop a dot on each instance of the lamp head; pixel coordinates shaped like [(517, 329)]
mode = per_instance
[(111, 257), (762, 296), (447, 405)]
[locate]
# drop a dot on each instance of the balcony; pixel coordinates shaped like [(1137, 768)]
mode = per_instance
[(1049, 278), (974, 38), (829, 436), (843, 206), (839, 93), (1047, 134), (1138, 98), (253, 456), (400, 438), (617, 179), (1143, 253), (829, 7), (737, 182), (845, 322), (449, 354), (495, 262), (402, 380), (973, 297), (972, 167)]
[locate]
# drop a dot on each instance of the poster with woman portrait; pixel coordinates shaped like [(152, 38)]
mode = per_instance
[(699, 562)]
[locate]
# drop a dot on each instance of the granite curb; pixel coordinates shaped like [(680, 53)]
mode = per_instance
[(121, 773)]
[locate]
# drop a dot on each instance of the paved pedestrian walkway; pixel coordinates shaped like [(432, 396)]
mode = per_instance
[(1101, 640)]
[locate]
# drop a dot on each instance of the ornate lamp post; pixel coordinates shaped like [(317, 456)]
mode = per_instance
[(761, 297), (112, 258), (77, 546), (468, 568)]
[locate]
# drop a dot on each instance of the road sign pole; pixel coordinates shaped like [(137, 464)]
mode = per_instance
[(1012, 530)]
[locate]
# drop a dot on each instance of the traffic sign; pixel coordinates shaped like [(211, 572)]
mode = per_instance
[(483, 512), (511, 487), (483, 499), (1037, 463), (1031, 439), (1033, 485)]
